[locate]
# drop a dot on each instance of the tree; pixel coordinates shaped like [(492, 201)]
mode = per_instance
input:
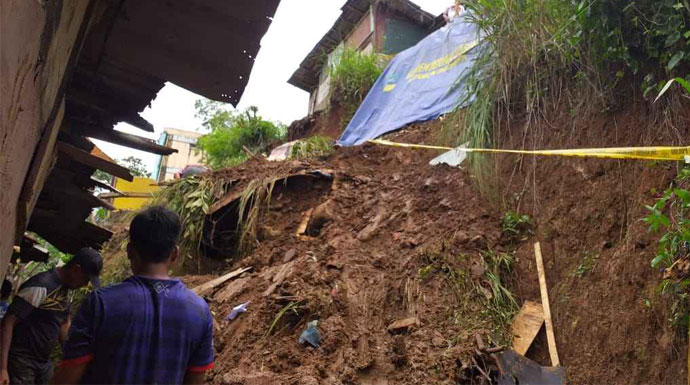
[(232, 133), (135, 166)]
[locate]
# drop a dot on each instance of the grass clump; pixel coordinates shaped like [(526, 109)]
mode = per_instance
[(501, 305), (587, 264), (484, 300), (292, 307), (314, 147), (351, 76)]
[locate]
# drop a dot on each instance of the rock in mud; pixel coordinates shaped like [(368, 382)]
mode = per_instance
[(289, 255), (368, 232), (322, 214), (403, 325)]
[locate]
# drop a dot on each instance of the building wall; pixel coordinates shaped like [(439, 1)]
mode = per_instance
[(359, 37), (38, 39), (400, 35), (185, 144)]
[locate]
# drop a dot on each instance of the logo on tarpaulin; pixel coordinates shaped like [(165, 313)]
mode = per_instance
[(390, 82), (442, 64)]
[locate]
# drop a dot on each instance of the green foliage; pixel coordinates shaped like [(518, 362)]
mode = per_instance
[(587, 264), (135, 166), (351, 77), (313, 147), (501, 303), (670, 216), (483, 298), (515, 225), (102, 176), (292, 307), (540, 52), (232, 135), (667, 86)]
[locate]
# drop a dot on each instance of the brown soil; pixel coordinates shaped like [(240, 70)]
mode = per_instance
[(610, 323), (389, 217), (327, 123)]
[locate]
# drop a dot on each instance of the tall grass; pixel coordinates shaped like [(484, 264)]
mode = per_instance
[(313, 147), (539, 54), (351, 76), (255, 197)]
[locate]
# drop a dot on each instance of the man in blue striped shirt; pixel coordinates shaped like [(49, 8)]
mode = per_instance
[(149, 329)]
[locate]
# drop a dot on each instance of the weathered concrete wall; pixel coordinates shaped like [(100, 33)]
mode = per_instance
[(37, 39)]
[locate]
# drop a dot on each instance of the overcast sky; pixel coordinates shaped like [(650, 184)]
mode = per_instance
[(297, 26)]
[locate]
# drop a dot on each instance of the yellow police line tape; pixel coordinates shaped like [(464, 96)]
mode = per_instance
[(646, 153)]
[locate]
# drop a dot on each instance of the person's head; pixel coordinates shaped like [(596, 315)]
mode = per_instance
[(153, 237), (6, 290), (83, 268)]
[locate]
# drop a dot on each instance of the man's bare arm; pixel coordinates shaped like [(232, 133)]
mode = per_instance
[(6, 330), (71, 374), (194, 378)]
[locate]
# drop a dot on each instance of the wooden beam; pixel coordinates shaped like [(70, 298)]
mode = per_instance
[(550, 337), (85, 158), (43, 162), (126, 195), (121, 138), (74, 192), (137, 121), (208, 286)]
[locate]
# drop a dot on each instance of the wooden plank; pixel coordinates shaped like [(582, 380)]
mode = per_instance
[(302, 228), (550, 337), (93, 161), (44, 159), (113, 136), (207, 287), (126, 195), (526, 326)]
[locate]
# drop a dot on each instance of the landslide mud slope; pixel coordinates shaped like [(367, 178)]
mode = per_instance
[(396, 229), (398, 226)]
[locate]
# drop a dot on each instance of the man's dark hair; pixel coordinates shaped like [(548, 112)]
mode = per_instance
[(154, 233), (6, 289)]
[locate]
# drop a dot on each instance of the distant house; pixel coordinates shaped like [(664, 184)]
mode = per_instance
[(383, 26), (185, 144)]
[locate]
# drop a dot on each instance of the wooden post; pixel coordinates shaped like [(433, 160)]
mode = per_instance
[(550, 337)]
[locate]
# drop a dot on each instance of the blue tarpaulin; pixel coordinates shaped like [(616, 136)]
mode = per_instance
[(419, 84)]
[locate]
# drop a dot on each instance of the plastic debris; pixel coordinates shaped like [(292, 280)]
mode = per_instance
[(452, 158), (311, 335), (237, 310)]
